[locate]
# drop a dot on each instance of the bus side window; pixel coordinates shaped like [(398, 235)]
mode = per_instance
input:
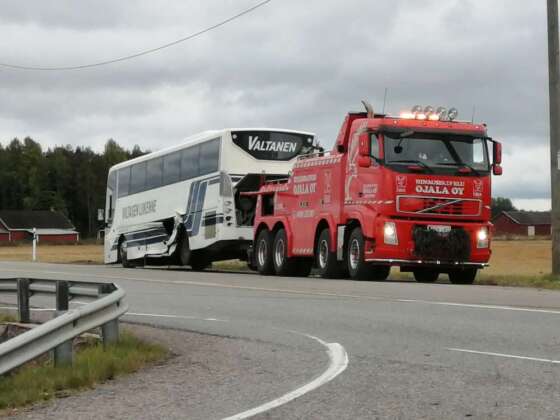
[(138, 178), (111, 190), (124, 182), (189, 163), (154, 173), (209, 156), (171, 168)]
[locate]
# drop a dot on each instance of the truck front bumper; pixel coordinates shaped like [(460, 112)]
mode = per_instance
[(404, 252)]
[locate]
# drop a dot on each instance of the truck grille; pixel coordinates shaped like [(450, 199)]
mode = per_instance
[(438, 206), (433, 246)]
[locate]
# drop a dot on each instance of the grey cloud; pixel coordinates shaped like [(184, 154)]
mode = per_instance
[(293, 64)]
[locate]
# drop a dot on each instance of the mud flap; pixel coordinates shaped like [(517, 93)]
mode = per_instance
[(340, 231)]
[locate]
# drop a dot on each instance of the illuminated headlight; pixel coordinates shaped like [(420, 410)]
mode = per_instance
[(390, 234), (482, 238)]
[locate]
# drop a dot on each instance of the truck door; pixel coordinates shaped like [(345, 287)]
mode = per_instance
[(363, 181)]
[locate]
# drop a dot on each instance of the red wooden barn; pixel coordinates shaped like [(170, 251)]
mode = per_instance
[(17, 225), (522, 223)]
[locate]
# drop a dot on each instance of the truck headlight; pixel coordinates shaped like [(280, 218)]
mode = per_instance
[(482, 238), (390, 234)]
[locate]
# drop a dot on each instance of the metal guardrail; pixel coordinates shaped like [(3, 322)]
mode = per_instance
[(57, 334)]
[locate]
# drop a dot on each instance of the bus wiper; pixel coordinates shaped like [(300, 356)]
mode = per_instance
[(462, 164), (419, 162)]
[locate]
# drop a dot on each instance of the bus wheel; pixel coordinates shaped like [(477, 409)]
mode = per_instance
[(184, 251), (358, 268), (425, 275), (463, 276), (328, 266), (126, 263), (263, 253)]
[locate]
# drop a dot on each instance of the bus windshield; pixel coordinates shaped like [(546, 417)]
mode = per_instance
[(437, 151)]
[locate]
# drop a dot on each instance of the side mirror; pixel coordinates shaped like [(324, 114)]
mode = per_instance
[(100, 215), (497, 152), (497, 170), (364, 161), (364, 147)]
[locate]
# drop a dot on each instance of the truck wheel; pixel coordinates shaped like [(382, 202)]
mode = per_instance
[(463, 276), (283, 266), (425, 275), (328, 266), (358, 268), (263, 253)]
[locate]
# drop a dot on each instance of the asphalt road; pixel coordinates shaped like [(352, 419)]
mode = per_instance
[(414, 350)]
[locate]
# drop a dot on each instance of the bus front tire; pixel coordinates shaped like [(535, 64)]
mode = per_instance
[(126, 263), (184, 251), (463, 276), (327, 264), (263, 253)]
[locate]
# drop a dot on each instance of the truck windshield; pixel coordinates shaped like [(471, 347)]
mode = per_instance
[(437, 151)]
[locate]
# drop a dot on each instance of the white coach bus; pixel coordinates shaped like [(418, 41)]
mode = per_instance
[(182, 205)]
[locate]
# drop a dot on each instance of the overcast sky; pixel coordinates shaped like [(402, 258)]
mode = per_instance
[(290, 64)]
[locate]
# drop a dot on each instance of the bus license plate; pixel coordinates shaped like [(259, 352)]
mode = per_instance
[(442, 229)]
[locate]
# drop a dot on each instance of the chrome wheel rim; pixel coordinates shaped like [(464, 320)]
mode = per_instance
[(261, 253), (323, 253), (279, 253), (354, 254)]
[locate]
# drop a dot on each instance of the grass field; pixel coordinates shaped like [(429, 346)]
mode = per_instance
[(79, 254), (513, 262)]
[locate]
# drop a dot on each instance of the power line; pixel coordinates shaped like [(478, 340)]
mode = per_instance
[(141, 53)]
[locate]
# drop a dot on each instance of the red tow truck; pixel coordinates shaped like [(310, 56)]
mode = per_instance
[(412, 191)]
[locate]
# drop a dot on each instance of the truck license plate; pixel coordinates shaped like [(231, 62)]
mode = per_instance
[(442, 229)]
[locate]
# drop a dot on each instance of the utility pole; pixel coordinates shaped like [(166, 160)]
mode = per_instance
[(554, 93)]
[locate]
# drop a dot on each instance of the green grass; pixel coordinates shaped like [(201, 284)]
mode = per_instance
[(547, 281), (42, 381), (7, 318)]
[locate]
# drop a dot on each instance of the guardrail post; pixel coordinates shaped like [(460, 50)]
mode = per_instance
[(23, 300), (62, 352), (110, 332)]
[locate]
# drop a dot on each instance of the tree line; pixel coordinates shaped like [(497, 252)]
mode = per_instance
[(68, 179), (73, 180)]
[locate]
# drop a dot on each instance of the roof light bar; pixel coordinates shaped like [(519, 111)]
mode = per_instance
[(428, 113)]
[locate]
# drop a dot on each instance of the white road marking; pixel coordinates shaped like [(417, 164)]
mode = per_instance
[(338, 363), (299, 292), (175, 316), (510, 356), (481, 306)]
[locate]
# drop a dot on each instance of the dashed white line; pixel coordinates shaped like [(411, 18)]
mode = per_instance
[(510, 356)]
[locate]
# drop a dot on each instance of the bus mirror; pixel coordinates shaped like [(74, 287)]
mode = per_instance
[(364, 149), (100, 215), (497, 152), (497, 169), (364, 161)]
